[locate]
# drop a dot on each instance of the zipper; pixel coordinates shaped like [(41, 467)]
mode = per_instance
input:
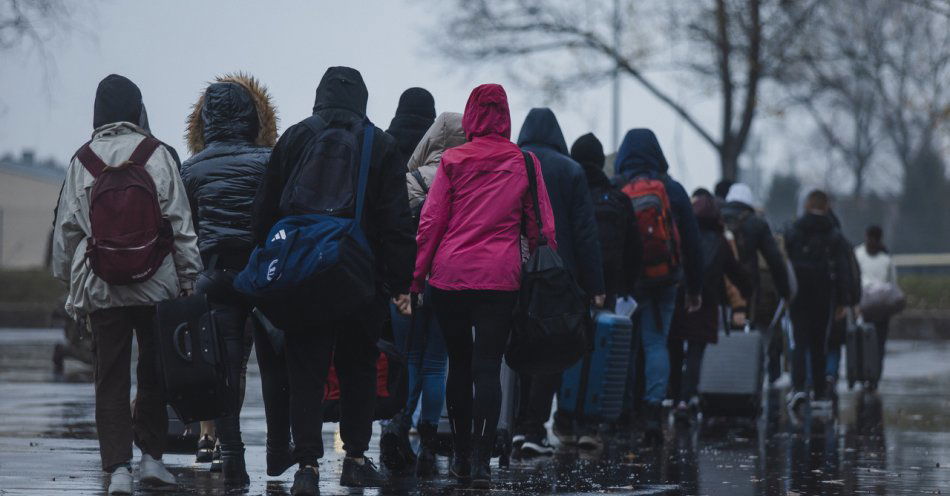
[(141, 247)]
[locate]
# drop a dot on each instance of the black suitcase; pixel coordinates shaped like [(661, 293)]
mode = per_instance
[(730, 380), (863, 353), (194, 372)]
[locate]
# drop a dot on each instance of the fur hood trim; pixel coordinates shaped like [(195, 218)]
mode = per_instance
[(266, 113)]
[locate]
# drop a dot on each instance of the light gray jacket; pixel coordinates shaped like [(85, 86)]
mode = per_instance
[(114, 143), (446, 132)]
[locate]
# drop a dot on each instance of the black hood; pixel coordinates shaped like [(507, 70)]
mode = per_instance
[(816, 223), (641, 152), (118, 100), (589, 152), (342, 88), (228, 113), (414, 115), (541, 128)]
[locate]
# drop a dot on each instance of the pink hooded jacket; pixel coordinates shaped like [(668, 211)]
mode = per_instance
[(470, 228)]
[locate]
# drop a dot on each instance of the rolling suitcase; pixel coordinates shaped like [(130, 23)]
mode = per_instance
[(730, 380), (593, 388), (864, 355), (194, 373)]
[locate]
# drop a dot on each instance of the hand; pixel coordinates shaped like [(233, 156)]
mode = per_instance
[(693, 303), (739, 319), (599, 300), (403, 304), (187, 292), (420, 301), (841, 312)]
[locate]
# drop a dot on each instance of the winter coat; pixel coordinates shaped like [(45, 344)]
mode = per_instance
[(414, 115), (573, 211), (824, 277), (446, 132), (619, 237), (470, 230), (718, 262), (640, 154), (753, 236), (114, 142), (231, 131), (877, 269), (341, 98)]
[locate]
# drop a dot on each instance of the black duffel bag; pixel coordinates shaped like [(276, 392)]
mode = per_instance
[(552, 319)]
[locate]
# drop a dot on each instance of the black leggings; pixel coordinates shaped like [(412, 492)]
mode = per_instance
[(684, 388), (474, 361)]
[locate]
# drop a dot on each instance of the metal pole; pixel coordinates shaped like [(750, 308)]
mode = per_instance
[(616, 79)]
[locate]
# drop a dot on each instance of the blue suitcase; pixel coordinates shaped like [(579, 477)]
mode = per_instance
[(593, 388)]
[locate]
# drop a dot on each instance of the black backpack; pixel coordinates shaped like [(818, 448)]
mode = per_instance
[(610, 212), (812, 255), (552, 320)]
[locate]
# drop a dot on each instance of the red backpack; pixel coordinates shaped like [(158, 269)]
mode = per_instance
[(130, 237), (661, 244)]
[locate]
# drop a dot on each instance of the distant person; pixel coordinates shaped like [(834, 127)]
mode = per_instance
[(579, 248), (117, 296), (721, 191), (878, 273), (753, 237), (690, 333), (231, 131), (414, 116), (470, 249), (349, 342), (820, 256), (672, 255), (427, 354)]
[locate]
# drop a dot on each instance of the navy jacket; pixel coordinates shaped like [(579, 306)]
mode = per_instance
[(640, 153), (574, 222)]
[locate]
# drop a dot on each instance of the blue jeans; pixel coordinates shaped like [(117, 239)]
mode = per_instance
[(654, 330), (430, 384), (833, 362)]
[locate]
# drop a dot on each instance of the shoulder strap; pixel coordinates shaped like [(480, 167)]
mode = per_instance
[(421, 180), (533, 189), (145, 150), (367, 154), (88, 158), (315, 123)]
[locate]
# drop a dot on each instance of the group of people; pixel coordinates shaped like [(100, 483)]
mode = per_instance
[(449, 215)]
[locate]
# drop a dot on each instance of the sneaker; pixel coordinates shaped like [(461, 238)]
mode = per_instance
[(360, 472), (590, 442), (216, 460), (120, 481), (153, 472), (461, 467), (796, 401), (306, 482), (536, 446), (822, 408), (205, 450), (681, 412), (516, 441)]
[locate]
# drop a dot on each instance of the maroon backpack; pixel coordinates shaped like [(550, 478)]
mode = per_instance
[(130, 237)]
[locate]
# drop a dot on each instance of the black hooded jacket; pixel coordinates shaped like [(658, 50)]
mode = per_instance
[(118, 99), (621, 249), (341, 99), (753, 236), (639, 154), (231, 148), (575, 225), (821, 257), (414, 115)]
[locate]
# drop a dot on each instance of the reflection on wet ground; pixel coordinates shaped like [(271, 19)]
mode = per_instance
[(894, 442)]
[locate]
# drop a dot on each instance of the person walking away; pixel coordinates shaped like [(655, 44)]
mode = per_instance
[(414, 116), (672, 255), (878, 273), (819, 255), (753, 237), (230, 132), (578, 247), (426, 355), (469, 245), (116, 296), (350, 341), (620, 247), (690, 333)]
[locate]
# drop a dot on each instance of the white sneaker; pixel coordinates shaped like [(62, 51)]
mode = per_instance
[(590, 442), (153, 472), (120, 482)]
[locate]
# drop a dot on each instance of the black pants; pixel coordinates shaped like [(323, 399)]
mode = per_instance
[(275, 384), (811, 322), (537, 395), (351, 345), (474, 361), (688, 354)]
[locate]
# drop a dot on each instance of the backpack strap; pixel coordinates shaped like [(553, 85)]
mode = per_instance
[(369, 130), (88, 158), (421, 180), (533, 189), (315, 123), (144, 150)]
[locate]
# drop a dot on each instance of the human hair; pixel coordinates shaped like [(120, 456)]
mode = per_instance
[(701, 192), (818, 201), (874, 232), (722, 188)]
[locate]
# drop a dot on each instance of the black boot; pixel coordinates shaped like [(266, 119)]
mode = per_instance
[(233, 469), (652, 424), (481, 458), (461, 467), (306, 482), (205, 450), (428, 445), (395, 452), (279, 458)]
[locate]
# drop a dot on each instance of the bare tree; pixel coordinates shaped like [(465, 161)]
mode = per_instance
[(738, 44), (31, 21)]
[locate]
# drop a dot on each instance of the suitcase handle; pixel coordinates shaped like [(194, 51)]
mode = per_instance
[(183, 351)]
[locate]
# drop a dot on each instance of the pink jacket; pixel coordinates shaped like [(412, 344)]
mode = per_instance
[(470, 228)]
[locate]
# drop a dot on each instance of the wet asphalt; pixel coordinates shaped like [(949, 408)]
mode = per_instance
[(893, 442)]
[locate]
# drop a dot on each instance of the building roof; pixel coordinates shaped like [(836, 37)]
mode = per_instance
[(46, 171)]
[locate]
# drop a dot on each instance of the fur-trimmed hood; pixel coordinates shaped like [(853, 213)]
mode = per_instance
[(235, 107)]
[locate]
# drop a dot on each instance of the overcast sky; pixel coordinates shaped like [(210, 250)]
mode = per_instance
[(172, 48)]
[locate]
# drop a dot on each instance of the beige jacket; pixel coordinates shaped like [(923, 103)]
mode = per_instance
[(114, 143), (446, 132)]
